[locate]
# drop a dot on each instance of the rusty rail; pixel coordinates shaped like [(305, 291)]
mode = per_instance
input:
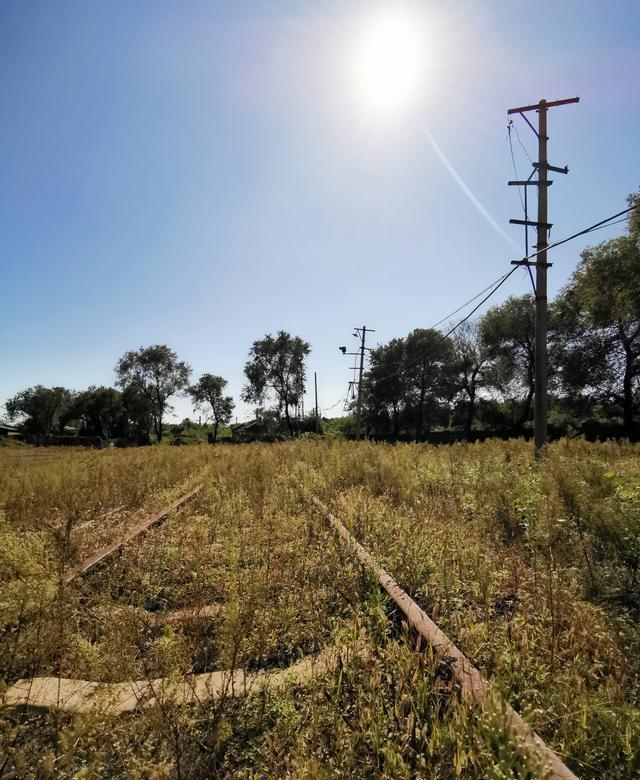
[(470, 679), (104, 552)]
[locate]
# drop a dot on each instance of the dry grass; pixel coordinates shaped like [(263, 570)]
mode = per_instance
[(531, 567)]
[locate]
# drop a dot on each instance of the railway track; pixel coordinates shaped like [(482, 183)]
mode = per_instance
[(83, 696), (470, 679), (100, 555)]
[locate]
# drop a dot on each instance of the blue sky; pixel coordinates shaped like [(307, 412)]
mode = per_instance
[(202, 173)]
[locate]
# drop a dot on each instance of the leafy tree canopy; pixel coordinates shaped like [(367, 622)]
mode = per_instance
[(40, 408), (208, 393), (158, 374), (99, 412), (276, 367), (601, 306)]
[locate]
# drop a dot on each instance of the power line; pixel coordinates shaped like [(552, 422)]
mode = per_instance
[(495, 286), (609, 224), (443, 336), (524, 148), (523, 201), (524, 204), (515, 169), (590, 229), (340, 400), (471, 300)]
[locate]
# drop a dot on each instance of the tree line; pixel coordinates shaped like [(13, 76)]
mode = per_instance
[(480, 378), (135, 410), (483, 374)]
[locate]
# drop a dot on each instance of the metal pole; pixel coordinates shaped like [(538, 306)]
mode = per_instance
[(540, 402), (359, 407), (315, 384)]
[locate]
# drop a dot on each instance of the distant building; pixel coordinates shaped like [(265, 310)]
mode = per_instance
[(248, 431), (10, 432)]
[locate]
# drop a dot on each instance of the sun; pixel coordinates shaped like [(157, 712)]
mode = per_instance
[(388, 66)]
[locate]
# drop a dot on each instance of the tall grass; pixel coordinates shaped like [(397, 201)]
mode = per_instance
[(531, 567)]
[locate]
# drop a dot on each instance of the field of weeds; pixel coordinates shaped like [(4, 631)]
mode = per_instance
[(530, 567)]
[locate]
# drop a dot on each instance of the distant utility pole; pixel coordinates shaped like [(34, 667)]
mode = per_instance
[(315, 385), (359, 333), (542, 232)]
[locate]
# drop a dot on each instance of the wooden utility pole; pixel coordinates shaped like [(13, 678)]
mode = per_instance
[(365, 330), (359, 333), (542, 233), (315, 385)]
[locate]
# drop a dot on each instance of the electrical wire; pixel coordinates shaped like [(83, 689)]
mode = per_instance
[(471, 300), (497, 282), (339, 401), (496, 286), (523, 201), (609, 224), (443, 336), (524, 148), (590, 229), (515, 170)]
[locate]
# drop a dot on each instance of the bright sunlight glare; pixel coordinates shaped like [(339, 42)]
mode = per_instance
[(389, 63)]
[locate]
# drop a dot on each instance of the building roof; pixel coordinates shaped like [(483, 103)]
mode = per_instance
[(243, 426), (10, 428)]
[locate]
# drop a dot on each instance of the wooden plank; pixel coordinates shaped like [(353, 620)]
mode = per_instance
[(82, 696), (104, 552), (470, 679), (77, 695)]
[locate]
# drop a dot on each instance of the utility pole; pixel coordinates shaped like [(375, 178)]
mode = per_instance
[(315, 384), (362, 337), (359, 333), (542, 234)]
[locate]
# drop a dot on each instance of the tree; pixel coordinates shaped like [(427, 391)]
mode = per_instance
[(383, 383), (603, 296), (276, 365), (137, 413), (472, 357), (41, 407), (428, 374), (208, 391), (99, 411), (508, 332), (158, 374), (508, 335)]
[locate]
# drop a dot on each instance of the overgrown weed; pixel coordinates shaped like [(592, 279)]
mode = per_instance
[(530, 567)]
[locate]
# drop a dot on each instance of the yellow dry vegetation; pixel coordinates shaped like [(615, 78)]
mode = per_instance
[(531, 567)]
